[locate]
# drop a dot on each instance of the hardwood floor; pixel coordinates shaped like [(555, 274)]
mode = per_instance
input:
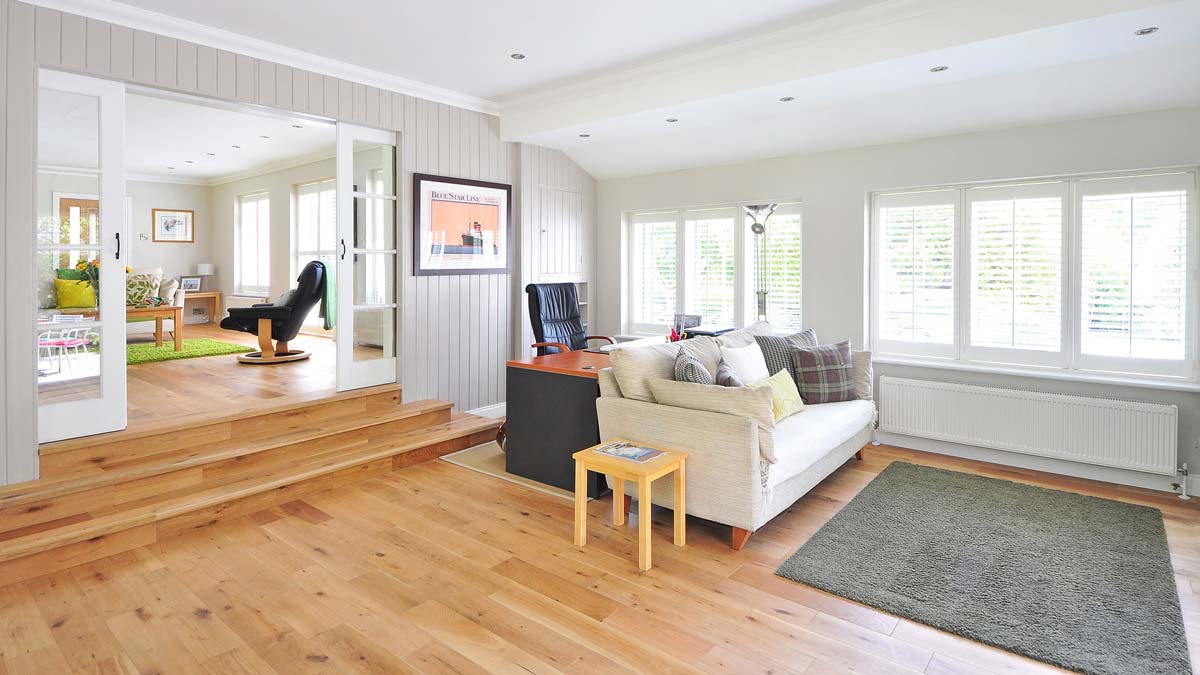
[(435, 568)]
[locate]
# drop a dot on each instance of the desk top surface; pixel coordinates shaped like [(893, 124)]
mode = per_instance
[(578, 363)]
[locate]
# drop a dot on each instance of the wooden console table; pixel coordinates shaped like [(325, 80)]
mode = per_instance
[(160, 313), (212, 299)]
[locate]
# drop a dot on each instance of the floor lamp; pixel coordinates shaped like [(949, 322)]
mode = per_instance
[(760, 213)]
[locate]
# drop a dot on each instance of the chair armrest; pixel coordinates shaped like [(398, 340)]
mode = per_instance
[(271, 312), (561, 347), (723, 476), (602, 337), (263, 304)]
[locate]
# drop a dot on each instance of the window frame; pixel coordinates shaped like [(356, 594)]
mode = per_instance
[(1069, 361), (264, 237)]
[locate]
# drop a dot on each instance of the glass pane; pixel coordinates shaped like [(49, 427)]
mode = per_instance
[(374, 224), (374, 168), (374, 278), (781, 261), (374, 334), (916, 287), (710, 266), (653, 263), (66, 319)]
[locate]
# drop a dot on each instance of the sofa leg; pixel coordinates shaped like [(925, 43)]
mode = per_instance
[(740, 537), (858, 455)]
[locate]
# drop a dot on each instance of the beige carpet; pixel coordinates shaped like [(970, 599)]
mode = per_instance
[(489, 459)]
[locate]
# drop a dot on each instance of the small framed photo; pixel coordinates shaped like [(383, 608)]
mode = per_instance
[(174, 226), (190, 284)]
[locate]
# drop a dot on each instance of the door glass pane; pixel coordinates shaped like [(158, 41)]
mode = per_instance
[(374, 224), (374, 168), (374, 279), (66, 320), (374, 334)]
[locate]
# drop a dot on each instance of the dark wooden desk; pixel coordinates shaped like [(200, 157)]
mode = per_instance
[(551, 413)]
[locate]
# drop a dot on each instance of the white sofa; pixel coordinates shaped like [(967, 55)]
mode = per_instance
[(729, 478)]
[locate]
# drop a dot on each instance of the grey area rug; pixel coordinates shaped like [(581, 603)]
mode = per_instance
[(1078, 582)]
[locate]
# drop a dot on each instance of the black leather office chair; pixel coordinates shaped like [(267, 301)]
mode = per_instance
[(280, 320), (557, 321)]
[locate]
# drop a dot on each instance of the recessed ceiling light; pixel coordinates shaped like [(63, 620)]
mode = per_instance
[(236, 147), (787, 99), (189, 161), (265, 137), (211, 154), (585, 135), (1146, 31), (516, 56), (171, 168), (297, 126), (939, 69), (672, 119)]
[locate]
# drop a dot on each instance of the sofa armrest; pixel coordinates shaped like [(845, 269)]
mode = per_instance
[(179, 298), (723, 475)]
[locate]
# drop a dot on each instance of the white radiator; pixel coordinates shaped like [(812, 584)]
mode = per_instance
[(1106, 432)]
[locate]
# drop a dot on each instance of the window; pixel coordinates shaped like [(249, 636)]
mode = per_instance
[(253, 250), (702, 262), (316, 229), (1093, 274)]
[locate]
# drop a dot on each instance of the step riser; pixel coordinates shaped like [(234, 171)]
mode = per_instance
[(108, 454), (206, 476)]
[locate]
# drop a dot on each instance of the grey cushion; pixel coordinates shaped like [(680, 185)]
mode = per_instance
[(688, 368), (727, 377), (777, 350)]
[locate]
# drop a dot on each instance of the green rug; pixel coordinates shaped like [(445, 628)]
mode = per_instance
[(1078, 582), (192, 348)]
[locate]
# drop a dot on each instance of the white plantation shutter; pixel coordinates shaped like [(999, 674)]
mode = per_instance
[(783, 269), (653, 268), (316, 229), (253, 251), (915, 293), (1135, 273), (709, 242), (1016, 239)]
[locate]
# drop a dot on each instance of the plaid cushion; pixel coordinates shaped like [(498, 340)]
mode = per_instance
[(688, 368), (825, 374), (777, 350)]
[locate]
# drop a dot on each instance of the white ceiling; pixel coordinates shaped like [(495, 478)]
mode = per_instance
[(161, 133)]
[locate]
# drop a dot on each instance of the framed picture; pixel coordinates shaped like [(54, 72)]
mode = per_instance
[(460, 226), (190, 284), (174, 226)]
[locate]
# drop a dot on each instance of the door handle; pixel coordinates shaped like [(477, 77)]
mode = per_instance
[(343, 249), (118, 245)]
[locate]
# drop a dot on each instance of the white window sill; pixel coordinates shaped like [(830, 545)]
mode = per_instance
[(1040, 373)]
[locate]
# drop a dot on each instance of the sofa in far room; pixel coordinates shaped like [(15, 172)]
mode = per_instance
[(744, 467), (68, 292)]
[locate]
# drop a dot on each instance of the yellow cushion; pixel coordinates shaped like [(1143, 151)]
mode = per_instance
[(74, 294), (785, 397)]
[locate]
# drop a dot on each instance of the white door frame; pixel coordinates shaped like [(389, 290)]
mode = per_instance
[(108, 412), (352, 374)]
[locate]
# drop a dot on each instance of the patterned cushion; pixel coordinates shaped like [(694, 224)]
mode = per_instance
[(689, 369), (777, 350), (140, 287), (726, 377), (825, 374)]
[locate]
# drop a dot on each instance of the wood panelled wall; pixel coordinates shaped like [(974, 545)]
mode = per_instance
[(557, 228), (456, 331)]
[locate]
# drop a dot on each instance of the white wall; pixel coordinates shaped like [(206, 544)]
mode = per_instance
[(176, 259), (834, 188)]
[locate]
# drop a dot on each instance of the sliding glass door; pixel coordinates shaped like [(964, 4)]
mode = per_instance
[(81, 256), (367, 338)]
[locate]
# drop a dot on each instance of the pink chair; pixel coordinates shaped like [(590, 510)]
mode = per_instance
[(64, 342)]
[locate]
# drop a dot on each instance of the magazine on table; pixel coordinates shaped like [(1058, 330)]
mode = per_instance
[(630, 451)]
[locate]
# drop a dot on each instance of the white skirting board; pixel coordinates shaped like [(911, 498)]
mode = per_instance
[(1076, 469), (494, 411)]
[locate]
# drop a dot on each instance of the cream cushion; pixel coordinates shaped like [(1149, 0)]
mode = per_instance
[(748, 362), (635, 367), (785, 397), (752, 402), (864, 375), (802, 440), (745, 336)]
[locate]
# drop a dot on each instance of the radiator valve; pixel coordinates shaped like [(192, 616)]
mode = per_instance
[(1182, 484)]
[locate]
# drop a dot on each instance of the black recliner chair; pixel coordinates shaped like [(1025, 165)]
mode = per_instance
[(280, 320), (557, 321)]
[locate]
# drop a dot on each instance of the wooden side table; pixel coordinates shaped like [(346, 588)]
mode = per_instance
[(643, 473), (212, 299)]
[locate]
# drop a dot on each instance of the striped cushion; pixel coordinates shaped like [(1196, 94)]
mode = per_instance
[(689, 369), (752, 402), (777, 350), (825, 374)]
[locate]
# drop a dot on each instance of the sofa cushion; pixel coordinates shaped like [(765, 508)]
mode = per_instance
[(752, 402), (777, 349), (747, 362), (634, 367), (74, 294), (689, 369), (801, 440), (744, 336), (864, 375), (726, 377), (166, 290), (785, 398), (825, 374)]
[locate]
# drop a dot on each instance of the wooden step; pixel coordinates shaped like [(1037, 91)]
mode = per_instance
[(112, 483), (148, 520)]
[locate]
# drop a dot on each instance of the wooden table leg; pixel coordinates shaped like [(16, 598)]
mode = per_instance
[(680, 505), (618, 490), (178, 329), (580, 503), (644, 508), (158, 331)]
